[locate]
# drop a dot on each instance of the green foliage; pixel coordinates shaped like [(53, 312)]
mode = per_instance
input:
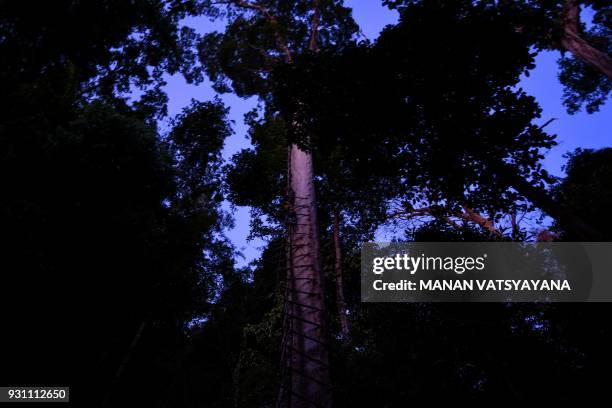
[(584, 86), (540, 24), (435, 119), (457, 89), (233, 359), (587, 189), (109, 225), (198, 134), (257, 176), (58, 54), (241, 58), (105, 227)]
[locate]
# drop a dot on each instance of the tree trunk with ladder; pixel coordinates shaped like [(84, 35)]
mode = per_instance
[(305, 378), (305, 354)]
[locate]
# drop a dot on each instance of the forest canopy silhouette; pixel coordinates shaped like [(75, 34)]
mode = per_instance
[(119, 280)]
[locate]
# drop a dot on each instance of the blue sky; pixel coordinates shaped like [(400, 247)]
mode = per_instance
[(579, 130)]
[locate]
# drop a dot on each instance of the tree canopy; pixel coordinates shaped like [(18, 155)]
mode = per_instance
[(118, 277)]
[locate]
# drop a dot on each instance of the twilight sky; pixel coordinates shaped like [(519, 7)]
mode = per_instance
[(579, 130)]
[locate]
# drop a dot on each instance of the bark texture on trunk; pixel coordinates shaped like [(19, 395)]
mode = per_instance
[(574, 43), (305, 354), (340, 301)]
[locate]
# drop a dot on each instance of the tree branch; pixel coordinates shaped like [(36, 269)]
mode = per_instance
[(574, 43), (316, 16), (468, 215), (541, 199), (281, 41), (548, 122), (485, 223)]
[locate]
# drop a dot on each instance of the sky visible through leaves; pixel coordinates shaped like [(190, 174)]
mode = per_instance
[(578, 130)]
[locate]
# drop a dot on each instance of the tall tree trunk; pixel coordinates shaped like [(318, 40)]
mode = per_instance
[(541, 199), (305, 380), (340, 302), (574, 43), (306, 359), (124, 363)]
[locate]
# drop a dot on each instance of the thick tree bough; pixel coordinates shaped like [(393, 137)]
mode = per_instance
[(571, 41)]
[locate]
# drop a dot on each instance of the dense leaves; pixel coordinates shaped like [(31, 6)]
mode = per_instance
[(587, 187), (110, 234), (117, 278), (542, 24), (259, 38), (439, 118)]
